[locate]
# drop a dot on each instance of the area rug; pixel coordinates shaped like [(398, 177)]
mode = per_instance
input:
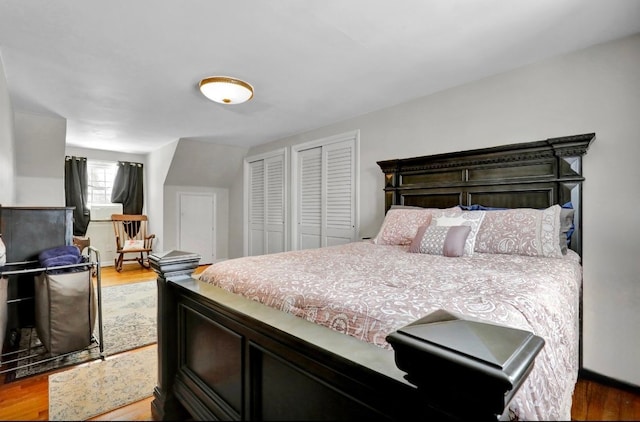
[(98, 387), (129, 321)]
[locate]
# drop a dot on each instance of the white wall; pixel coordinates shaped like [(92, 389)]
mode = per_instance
[(200, 163), (158, 165), (7, 157), (236, 216), (98, 154), (594, 90), (39, 178)]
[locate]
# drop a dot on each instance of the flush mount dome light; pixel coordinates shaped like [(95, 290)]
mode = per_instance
[(226, 90)]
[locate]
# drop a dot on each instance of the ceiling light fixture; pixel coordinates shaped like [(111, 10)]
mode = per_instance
[(226, 90)]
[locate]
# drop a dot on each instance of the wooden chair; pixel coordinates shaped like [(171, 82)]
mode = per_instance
[(132, 238), (82, 243)]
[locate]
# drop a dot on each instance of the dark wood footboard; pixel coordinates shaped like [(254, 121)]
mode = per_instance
[(216, 364), (219, 363)]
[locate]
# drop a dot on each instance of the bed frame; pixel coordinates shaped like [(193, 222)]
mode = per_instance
[(226, 357)]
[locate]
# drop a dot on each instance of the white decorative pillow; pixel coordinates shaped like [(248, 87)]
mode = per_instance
[(440, 240), (132, 244), (400, 225), (521, 231), (473, 219)]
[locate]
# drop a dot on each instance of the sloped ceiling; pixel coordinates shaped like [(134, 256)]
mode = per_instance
[(201, 163), (124, 74)]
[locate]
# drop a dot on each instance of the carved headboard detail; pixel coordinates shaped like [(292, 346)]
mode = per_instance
[(533, 175)]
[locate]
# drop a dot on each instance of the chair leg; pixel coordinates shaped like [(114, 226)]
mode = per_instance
[(145, 261), (119, 263)]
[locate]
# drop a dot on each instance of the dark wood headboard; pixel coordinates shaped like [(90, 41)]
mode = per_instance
[(525, 175)]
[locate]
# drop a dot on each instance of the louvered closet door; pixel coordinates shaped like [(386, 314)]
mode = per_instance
[(310, 198), (326, 195), (266, 206), (274, 205), (256, 208), (340, 193)]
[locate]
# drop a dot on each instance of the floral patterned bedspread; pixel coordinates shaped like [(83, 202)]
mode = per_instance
[(367, 291)]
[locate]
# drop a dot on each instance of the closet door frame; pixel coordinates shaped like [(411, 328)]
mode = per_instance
[(295, 162), (281, 152)]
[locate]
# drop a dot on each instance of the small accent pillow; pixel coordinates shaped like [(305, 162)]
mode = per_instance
[(457, 217), (521, 231), (440, 240), (133, 244), (400, 225)]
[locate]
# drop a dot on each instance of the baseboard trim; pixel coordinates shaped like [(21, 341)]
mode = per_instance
[(612, 382)]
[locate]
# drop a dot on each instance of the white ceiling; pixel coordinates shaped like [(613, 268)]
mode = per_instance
[(124, 73)]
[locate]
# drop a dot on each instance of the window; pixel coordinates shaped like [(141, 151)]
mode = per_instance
[(101, 175)]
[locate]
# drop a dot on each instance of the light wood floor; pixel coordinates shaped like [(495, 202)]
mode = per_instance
[(28, 399)]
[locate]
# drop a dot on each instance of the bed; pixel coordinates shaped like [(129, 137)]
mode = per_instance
[(303, 335)]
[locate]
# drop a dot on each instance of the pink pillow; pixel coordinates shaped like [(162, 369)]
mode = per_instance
[(440, 240), (400, 225), (521, 231)]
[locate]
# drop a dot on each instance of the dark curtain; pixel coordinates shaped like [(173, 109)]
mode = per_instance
[(127, 190), (75, 192), (127, 187)]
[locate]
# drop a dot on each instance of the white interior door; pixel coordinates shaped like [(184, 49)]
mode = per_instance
[(197, 232)]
